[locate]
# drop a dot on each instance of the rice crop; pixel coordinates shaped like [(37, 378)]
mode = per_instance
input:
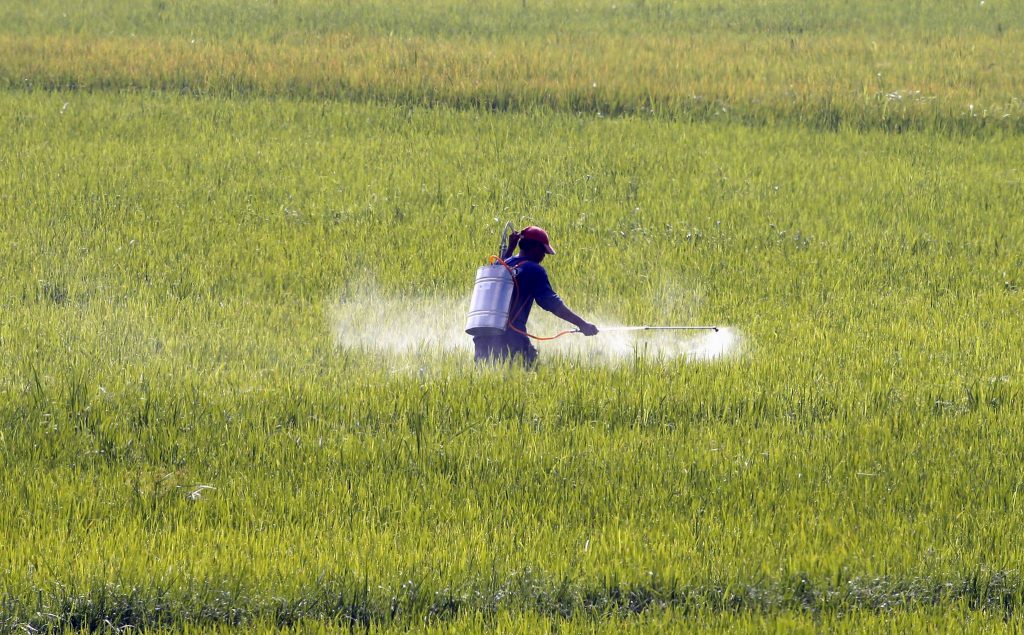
[(825, 64), (234, 395)]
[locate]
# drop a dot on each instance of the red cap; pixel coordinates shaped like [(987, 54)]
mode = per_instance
[(538, 234)]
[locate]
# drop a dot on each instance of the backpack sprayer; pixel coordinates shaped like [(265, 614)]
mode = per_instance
[(492, 294), (495, 288)]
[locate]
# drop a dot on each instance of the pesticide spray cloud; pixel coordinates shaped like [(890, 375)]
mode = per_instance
[(616, 346), (423, 326), (398, 325)]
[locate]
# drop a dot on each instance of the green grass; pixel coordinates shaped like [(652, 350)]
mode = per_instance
[(169, 268), (207, 289), (963, 620), (270, 20)]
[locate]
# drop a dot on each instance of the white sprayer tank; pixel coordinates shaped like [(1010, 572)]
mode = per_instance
[(492, 297)]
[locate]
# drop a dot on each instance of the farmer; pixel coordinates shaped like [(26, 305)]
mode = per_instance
[(531, 284)]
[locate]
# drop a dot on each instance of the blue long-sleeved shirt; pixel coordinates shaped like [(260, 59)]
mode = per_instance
[(531, 284)]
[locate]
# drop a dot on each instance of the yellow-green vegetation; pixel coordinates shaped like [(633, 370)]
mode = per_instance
[(189, 438), (825, 63)]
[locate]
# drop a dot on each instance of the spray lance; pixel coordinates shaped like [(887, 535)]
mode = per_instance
[(612, 329), (495, 288)]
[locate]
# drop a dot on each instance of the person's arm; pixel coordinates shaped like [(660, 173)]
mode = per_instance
[(513, 242), (537, 279), (569, 316)]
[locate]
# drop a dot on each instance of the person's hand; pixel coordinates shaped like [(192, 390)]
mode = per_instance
[(588, 329), (513, 239)]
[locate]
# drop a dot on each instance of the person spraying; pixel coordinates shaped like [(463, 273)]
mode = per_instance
[(505, 293)]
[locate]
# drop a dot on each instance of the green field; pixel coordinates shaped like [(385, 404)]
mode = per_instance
[(237, 241)]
